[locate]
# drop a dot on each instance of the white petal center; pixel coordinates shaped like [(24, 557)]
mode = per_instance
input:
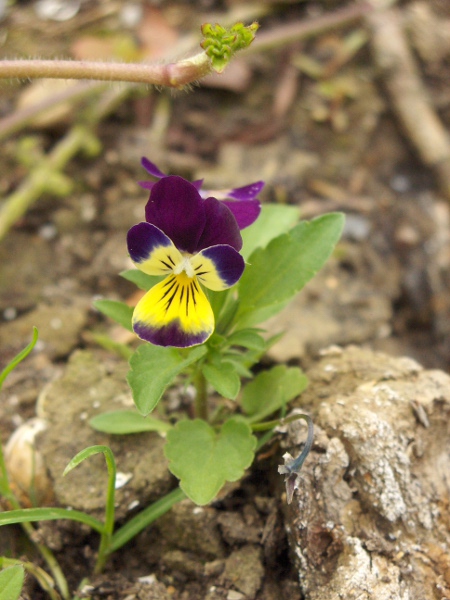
[(186, 266)]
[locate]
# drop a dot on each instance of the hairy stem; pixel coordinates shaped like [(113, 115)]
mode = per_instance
[(174, 75)]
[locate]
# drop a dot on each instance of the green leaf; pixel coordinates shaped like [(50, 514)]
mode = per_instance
[(223, 378), (204, 460), (19, 357), (117, 311), (127, 421), (271, 390), (153, 368), (11, 582), (274, 220), (33, 515), (140, 279), (247, 338), (276, 273), (92, 451)]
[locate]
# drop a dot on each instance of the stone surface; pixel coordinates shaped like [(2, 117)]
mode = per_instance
[(370, 519), (90, 385)]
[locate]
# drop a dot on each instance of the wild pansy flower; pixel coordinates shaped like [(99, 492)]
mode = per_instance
[(241, 201), (192, 241)]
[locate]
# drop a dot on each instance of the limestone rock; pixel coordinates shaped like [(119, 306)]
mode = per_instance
[(370, 519)]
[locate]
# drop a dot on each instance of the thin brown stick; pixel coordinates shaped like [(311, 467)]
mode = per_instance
[(408, 95), (300, 30)]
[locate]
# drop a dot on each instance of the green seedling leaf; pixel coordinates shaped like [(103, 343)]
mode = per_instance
[(274, 220), (11, 582), (224, 379), (122, 422), (271, 390), (91, 451), (19, 357), (204, 460), (276, 273), (140, 279), (117, 311), (33, 515), (153, 368)]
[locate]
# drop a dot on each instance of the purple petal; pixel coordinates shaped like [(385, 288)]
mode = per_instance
[(152, 168), (220, 226), (218, 267), (245, 211), (151, 250), (147, 185), (170, 335), (198, 184), (175, 207), (247, 192), (142, 239)]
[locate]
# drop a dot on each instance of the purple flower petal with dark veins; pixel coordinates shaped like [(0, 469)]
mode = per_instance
[(241, 201), (228, 266), (176, 207), (142, 239), (220, 226)]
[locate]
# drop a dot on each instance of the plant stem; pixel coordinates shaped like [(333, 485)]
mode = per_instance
[(201, 395), (174, 75), (145, 518), (45, 552), (7, 492), (44, 178)]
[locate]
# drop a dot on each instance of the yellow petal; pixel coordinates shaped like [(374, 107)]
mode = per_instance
[(175, 312)]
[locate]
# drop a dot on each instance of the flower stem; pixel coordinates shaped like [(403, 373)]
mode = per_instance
[(201, 396), (175, 75)]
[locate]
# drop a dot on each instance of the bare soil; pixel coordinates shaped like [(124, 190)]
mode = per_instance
[(318, 120)]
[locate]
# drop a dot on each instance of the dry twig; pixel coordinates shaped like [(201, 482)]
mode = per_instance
[(408, 94)]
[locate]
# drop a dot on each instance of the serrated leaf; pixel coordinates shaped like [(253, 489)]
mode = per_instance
[(122, 422), (117, 311), (271, 390), (153, 368), (140, 279), (274, 220), (11, 582), (204, 460), (223, 378), (276, 273)]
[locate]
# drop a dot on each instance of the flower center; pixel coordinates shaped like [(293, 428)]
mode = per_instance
[(186, 266)]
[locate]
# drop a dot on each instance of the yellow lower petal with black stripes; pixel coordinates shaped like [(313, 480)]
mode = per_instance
[(175, 312)]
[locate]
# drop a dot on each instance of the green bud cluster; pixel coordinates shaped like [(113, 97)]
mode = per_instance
[(220, 43)]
